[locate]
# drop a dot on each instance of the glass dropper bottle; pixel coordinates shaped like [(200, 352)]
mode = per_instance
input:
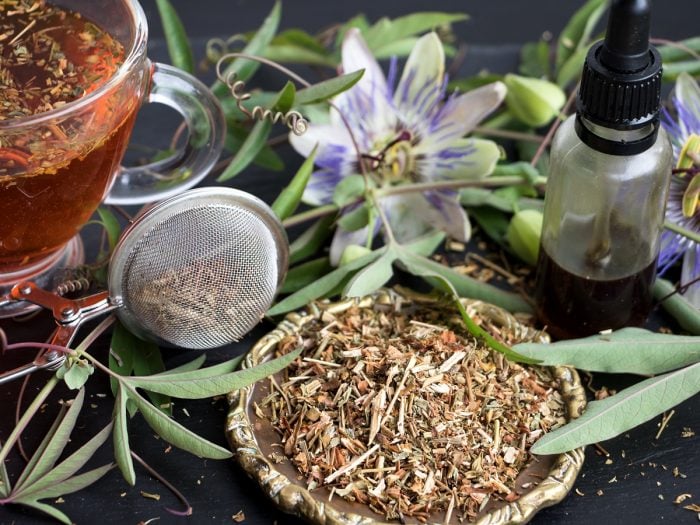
[(609, 173)]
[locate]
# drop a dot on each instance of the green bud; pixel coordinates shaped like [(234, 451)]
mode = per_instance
[(533, 101), (523, 235), (352, 252)]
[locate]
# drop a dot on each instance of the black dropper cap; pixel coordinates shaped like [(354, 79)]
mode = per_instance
[(621, 81)]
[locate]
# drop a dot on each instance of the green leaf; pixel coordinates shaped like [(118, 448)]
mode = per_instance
[(386, 31), (53, 445), (471, 288), (201, 388), (74, 484), (686, 315), (571, 69), (120, 438), (398, 48), (309, 242), (249, 150), (243, 68), (298, 55), (493, 222), (5, 483), (482, 197), (184, 373), (477, 81), (679, 51), (285, 98), (48, 509), (56, 482), (179, 47), (355, 219), (577, 32), (348, 190), (328, 88), (174, 433), (626, 351), (77, 374), (359, 21), (426, 244), (674, 69), (417, 266), (616, 414), (290, 197), (529, 173), (305, 274), (111, 225), (322, 286), (373, 276), (534, 60), (300, 38), (267, 158)]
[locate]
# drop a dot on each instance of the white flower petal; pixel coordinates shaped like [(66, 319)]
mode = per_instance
[(420, 87), (413, 215), (468, 159), (343, 239), (461, 114), (687, 92), (689, 273), (356, 55), (321, 134)]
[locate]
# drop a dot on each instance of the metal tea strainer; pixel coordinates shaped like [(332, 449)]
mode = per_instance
[(197, 271)]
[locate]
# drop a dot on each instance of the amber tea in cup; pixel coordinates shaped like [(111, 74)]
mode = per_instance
[(73, 75)]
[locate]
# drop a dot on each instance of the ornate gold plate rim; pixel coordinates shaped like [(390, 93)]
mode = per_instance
[(295, 499)]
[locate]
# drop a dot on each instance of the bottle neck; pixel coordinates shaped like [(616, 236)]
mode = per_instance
[(621, 142)]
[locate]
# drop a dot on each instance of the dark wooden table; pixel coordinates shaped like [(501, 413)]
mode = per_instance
[(637, 483)]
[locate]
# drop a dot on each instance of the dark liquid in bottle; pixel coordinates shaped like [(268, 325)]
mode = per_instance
[(574, 306)]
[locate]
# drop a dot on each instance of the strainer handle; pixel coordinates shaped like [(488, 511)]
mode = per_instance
[(206, 128)]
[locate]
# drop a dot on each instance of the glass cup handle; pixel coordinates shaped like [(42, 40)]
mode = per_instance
[(205, 123)]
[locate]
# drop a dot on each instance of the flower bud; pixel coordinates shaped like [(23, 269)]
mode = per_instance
[(523, 235), (352, 252), (533, 101)]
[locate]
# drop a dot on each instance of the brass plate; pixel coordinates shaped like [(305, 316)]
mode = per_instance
[(251, 438)]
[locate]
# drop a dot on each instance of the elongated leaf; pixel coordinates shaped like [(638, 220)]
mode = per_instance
[(471, 288), (176, 434), (120, 438), (324, 285), (373, 276), (626, 351), (571, 69), (482, 197), (179, 47), (386, 31), (577, 31), (290, 197), (492, 221), (398, 48), (267, 157), (534, 60), (285, 98), (616, 414), (38, 453), (305, 274), (680, 51), (211, 386), (416, 265), (183, 373), (56, 478), (426, 244), (249, 150), (309, 242), (357, 218), (674, 69), (328, 88), (298, 55), (48, 509), (348, 190), (55, 443), (687, 315), (5, 483), (70, 485), (111, 225), (190, 366), (244, 69)]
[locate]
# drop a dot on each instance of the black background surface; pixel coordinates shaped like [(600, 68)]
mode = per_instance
[(637, 481)]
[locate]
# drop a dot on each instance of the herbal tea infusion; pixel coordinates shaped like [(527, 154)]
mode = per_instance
[(54, 174)]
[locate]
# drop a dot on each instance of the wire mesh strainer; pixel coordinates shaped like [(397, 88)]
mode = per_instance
[(198, 271)]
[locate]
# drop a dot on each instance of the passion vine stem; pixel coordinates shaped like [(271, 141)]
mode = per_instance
[(693, 236), (553, 128), (154, 473)]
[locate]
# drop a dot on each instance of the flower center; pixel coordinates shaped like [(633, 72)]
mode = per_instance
[(394, 161), (687, 165)]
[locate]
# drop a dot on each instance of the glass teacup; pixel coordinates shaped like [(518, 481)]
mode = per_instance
[(57, 166)]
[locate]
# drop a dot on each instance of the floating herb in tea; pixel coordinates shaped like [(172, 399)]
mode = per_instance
[(50, 56), (398, 408)]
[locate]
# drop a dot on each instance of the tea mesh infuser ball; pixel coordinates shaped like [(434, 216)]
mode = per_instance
[(199, 270)]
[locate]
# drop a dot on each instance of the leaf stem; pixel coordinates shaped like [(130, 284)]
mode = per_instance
[(309, 215), (675, 228), (28, 415), (154, 473), (553, 128), (382, 216)]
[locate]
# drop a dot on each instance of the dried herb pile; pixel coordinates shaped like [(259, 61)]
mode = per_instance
[(406, 413)]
